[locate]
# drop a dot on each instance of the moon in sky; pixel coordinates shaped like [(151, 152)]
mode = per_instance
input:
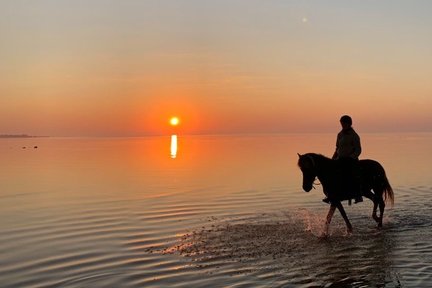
[(304, 20)]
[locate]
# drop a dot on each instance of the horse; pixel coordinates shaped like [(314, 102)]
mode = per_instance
[(328, 171)]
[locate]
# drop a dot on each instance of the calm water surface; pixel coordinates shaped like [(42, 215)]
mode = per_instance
[(225, 211)]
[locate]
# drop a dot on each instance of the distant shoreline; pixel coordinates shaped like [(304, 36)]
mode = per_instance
[(19, 136)]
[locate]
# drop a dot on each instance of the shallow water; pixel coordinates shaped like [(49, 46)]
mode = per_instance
[(225, 211)]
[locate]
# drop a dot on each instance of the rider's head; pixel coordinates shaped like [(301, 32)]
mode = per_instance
[(346, 121)]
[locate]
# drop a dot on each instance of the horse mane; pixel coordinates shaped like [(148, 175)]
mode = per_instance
[(319, 156), (315, 157)]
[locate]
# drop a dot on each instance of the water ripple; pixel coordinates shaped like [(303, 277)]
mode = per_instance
[(240, 239)]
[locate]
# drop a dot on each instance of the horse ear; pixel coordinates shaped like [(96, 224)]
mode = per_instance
[(299, 155)]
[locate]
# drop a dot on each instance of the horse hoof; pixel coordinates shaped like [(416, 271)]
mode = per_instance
[(324, 235)]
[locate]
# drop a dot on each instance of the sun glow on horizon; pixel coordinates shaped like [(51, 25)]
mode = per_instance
[(174, 121)]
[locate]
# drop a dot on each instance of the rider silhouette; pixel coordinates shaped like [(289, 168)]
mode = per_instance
[(348, 149)]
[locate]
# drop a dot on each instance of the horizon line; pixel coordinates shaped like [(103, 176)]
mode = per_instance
[(24, 135)]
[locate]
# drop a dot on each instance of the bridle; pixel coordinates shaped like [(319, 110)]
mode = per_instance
[(313, 168)]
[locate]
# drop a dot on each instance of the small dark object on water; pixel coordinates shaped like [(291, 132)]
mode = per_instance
[(35, 147)]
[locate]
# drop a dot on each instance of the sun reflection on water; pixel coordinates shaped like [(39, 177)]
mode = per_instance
[(173, 146)]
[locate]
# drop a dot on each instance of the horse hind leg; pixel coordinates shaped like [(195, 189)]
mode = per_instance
[(368, 194), (378, 202), (381, 207), (374, 212)]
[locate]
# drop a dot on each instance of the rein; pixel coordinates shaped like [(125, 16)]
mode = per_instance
[(313, 184)]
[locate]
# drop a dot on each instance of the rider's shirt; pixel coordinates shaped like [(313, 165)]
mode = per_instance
[(348, 144)]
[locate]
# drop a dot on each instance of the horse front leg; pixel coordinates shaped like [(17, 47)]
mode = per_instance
[(345, 217), (328, 220)]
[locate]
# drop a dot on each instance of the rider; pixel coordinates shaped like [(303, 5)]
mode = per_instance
[(348, 149)]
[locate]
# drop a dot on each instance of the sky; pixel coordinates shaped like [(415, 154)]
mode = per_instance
[(123, 68)]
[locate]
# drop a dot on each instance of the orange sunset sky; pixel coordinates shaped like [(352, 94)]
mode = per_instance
[(123, 68)]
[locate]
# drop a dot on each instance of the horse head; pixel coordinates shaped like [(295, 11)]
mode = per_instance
[(306, 164)]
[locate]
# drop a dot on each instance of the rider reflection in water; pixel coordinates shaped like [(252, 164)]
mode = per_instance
[(348, 149)]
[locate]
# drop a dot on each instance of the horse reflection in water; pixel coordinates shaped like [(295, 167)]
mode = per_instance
[(374, 184)]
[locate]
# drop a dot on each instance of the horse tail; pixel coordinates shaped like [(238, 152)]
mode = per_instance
[(388, 190)]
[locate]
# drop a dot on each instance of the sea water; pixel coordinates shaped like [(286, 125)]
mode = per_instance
[(205, 211)]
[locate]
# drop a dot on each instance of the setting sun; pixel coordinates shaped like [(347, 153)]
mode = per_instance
[(174, 121)]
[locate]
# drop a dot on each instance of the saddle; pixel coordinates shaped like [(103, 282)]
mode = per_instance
[(348, 180)]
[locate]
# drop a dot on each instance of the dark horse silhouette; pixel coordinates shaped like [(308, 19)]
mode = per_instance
[(328, 171)]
